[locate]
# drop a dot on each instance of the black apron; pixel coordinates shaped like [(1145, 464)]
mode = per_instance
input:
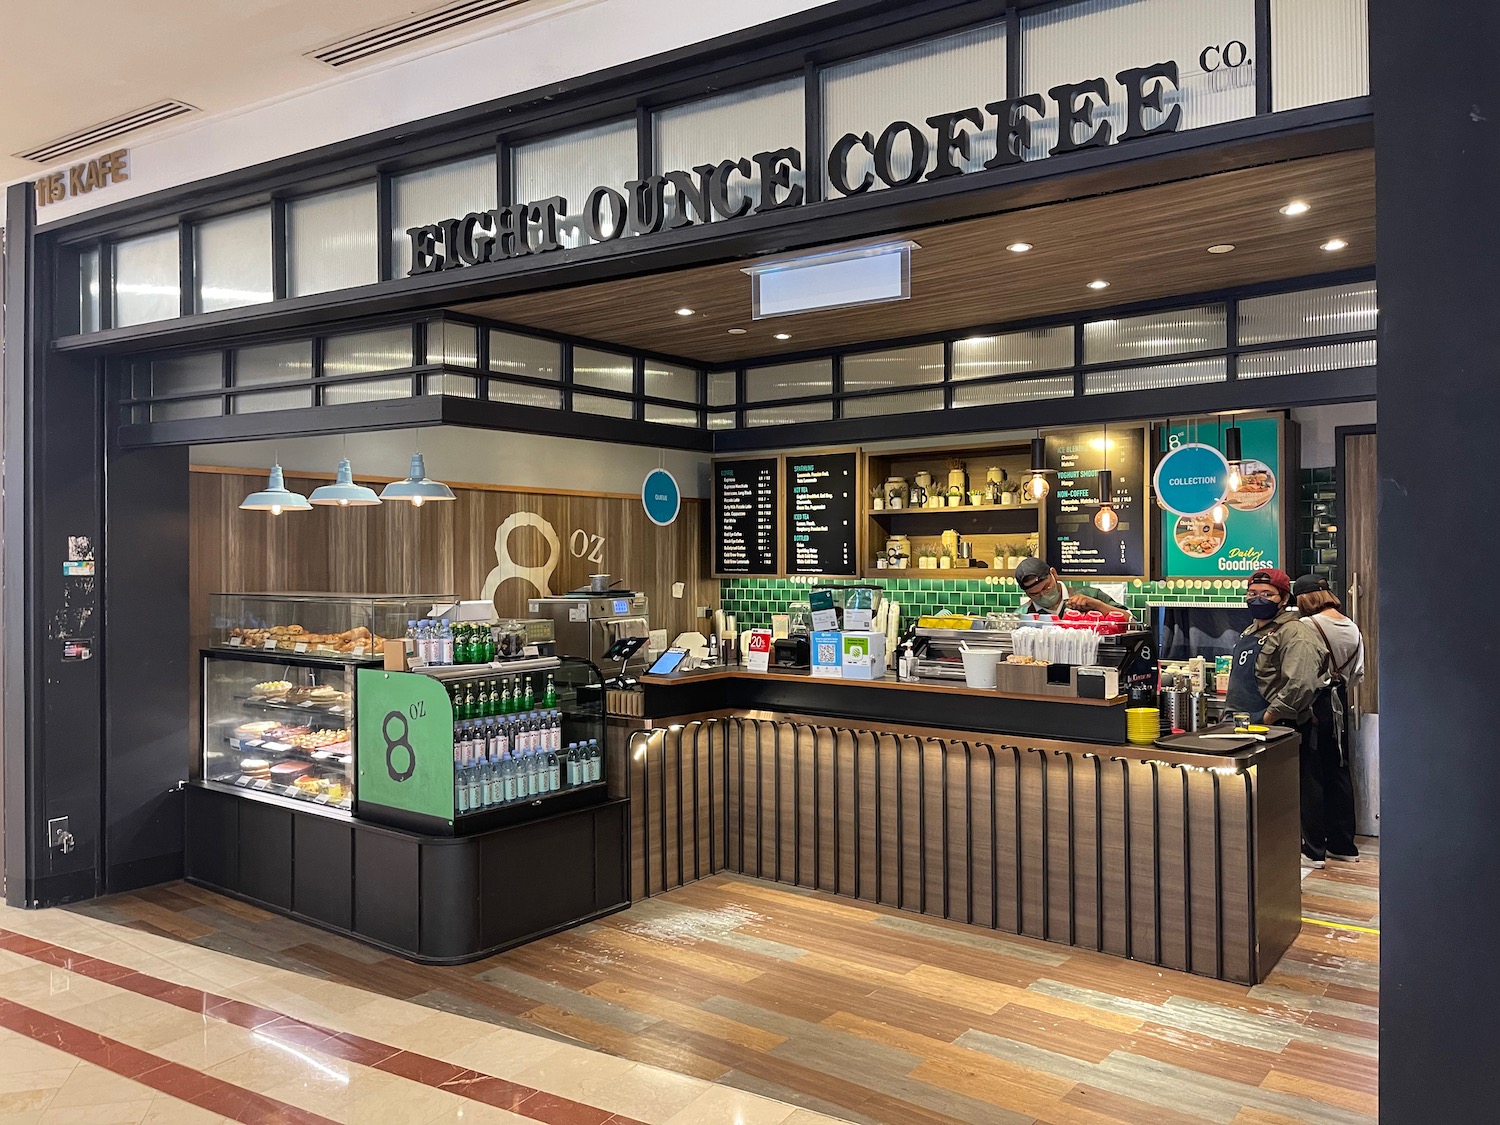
[(1244, 691)]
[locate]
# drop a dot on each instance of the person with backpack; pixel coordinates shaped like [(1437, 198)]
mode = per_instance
[(1327, 782)]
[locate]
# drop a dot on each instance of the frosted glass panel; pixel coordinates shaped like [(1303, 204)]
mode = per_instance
[(1099, 38), (792, 412), (671, 415), (1334, 310), (454, 386), (191, 408), (433, 194), (902, 367), (525, 355), (1295, 361), (180, 374), (519, 394), (232, 260), (333, 240), (605, 370), (1163, 333), (1014, 353), (572, 165), (789, 380), (1156, 377), (88, 291), (667, 380), (610, 407), (1023, 390), (876, 405), (259, 401), (721, 388), (1320, 51), (454, 344), (912, 84), (721, 421), (272, 363), (738, 124), (366, 390), (147, 279), (363, 353)]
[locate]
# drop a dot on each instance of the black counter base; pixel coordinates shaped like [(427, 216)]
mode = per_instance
[(437, 900)]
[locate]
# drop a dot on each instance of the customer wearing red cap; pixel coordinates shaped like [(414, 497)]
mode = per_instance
[(1276, 669)]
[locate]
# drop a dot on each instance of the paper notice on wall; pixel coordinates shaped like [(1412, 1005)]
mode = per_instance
[(758, 651)]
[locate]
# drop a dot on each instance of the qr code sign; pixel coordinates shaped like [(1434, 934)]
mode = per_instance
[(828, 653)]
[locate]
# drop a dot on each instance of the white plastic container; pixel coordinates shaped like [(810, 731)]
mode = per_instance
[(979, 667)]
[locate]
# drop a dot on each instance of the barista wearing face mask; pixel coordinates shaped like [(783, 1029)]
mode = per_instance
[(1046, 593), (1277, 663)]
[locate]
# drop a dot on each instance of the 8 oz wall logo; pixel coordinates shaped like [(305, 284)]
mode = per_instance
[(394, 722)]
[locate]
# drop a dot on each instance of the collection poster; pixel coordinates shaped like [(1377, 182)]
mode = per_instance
[(1193, 545)]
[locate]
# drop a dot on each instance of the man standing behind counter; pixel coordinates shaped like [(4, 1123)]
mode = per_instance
[(1045, 592)]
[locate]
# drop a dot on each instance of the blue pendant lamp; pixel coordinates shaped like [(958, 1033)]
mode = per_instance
[(277, 498), (417, 487), (343, 492)]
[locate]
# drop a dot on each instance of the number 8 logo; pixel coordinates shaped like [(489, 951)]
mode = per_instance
[(394, 744)]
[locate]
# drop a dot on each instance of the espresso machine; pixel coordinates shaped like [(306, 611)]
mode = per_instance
[(589, 623)]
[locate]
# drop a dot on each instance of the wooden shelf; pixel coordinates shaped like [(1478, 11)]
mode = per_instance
[(995, 519)]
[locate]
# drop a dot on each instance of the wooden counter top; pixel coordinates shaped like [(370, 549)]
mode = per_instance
[(890, 683)]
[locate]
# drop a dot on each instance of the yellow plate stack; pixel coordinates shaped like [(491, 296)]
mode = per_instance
[(1142, 725)]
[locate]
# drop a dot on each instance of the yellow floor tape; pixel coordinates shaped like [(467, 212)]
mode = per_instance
[(1341, 926)]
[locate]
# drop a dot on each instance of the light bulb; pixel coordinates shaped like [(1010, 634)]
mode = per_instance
[(416, 501), (1235, 480), (343, 503), (1038, 487), (1106, 519), (1219, 513), (276, 509)]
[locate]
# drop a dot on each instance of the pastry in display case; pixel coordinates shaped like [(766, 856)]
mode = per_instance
[(283, 726), (332, 626)]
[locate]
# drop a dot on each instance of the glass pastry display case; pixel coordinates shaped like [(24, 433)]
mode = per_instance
[(333, 626), (282, 725)]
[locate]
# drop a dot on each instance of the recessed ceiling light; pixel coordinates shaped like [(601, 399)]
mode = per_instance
[(783, 335), (737, 331), (684, 311), (1296, 207), (1019, 247), (1101, 284), (1334, 244), (1221, 248)]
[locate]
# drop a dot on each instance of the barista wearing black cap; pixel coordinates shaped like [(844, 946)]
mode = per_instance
[(1045, 592)]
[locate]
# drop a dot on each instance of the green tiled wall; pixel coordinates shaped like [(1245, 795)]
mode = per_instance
[(1317, 548), (753, 600)]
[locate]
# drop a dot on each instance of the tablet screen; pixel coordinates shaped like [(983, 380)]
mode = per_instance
[(667, 662)]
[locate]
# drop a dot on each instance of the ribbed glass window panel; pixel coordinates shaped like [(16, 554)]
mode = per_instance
[(258, 402), (366, 353), (147, 279), (727, 127), (1013, 353), (604, 370), (721, 421), (272, 363), (454, 344), (1173, 332), (232, 260), (188, 408), (525, 355), (88, 290), (806, 379), (667, 380), (912, 84), (1298, 361), (1099, 38), (1334, 310), (598, 404), (790, 413), (333, 240), (519, 394), (900, 367), (873, 406), (430, 195), (721, 388), (671, 415), (183, 373), (1022, 390), (572, 165), (1156, 376), (1320, 51), (454, 386), (366, 390)]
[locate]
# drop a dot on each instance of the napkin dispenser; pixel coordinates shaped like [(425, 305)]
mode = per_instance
[(1098, 683)]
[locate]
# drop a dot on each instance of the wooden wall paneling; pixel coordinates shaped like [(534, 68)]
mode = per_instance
[(1061, 860), (789, 792), (1145, 876), (704, 741), (1205, 901), (1087, 852), (1113, 778), (1234, 892), (888, 763), (934, 758), (808, 864), (1173, 857), (769, 815), (912, 852), (1361, 489), (1034, 897), (850, 795), (1008, 879), (980, 815), (960, 856), (865, 836), (670, 793)]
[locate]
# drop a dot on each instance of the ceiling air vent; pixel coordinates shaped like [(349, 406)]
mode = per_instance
[(106, 131), (414, 29)]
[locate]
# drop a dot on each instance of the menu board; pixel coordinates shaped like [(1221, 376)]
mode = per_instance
[(1075, 546), (1250, 538), (745, 499), (822, 514)]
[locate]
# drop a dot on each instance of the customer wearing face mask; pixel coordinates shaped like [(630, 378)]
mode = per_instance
[(1045, 592), (1277, 663)]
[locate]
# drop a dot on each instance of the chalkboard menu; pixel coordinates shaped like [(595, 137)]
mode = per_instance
[(745, 516), (1075, 546), (822, 514)]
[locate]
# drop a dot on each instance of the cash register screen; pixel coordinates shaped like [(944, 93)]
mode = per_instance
[(667, 662)]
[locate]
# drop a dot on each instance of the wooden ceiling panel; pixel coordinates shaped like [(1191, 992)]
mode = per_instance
[(1148, 243)]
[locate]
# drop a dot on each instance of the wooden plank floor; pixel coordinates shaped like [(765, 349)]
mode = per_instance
[(878, 1016)]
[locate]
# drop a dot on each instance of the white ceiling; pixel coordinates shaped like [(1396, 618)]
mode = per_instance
[(66, 66)]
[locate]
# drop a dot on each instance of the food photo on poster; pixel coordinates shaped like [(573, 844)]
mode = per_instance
[(1221, 518)]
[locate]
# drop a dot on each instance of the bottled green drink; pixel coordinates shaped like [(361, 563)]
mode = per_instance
[(528, 699), (471, 705), (549, 697), (507, 700)]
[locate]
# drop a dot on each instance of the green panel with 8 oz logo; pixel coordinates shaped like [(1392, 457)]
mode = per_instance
[(405, 749)]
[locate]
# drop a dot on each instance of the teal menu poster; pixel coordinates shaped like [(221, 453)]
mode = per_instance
[(1193, 545)]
